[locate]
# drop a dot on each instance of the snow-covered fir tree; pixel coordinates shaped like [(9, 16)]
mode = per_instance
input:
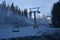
[(4, 3)]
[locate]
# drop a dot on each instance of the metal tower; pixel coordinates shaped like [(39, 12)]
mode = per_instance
[(35, 10)]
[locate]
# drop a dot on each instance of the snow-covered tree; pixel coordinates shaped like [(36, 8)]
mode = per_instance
[(8, 7), (4, 3), (16, 9)]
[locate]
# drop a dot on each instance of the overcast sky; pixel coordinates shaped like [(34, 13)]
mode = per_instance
[(45, 5)]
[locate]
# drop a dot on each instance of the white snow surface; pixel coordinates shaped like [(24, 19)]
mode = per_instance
[(25, 31)]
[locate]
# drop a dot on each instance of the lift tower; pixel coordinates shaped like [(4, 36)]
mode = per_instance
[(35, 10)]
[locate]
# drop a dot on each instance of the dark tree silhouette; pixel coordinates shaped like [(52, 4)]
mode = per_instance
[(12, 7), (56, 15), (25, 12), (16, 9), (22, 13), (19, 11)]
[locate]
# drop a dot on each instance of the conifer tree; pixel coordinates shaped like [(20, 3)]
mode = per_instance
[(4, 3), (8, 7), (12, 7), (16, 9), (19, 11), (56, 14), (22, 13), (25, 12)]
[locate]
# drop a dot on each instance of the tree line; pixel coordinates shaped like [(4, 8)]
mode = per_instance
[(17, 10), (55, 12)]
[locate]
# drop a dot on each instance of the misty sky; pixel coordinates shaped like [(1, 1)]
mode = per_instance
[(45, 5)]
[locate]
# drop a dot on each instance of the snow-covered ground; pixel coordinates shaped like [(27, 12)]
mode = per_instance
[(26, 31)]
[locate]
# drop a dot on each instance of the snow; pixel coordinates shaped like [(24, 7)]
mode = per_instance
[(8, 21), (11, 18), (26, 31)]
